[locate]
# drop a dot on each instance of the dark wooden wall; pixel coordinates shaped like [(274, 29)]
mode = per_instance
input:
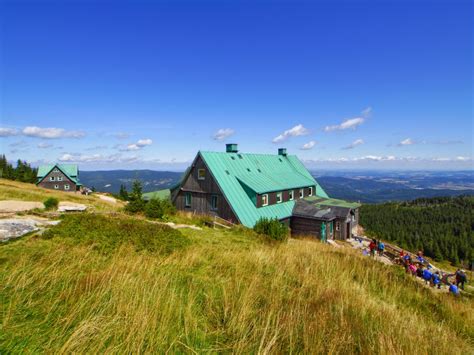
[(201, 192), (301, 226), (47, 184)]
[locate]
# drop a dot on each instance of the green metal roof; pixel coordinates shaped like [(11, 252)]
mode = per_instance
[(70, 170), (161, 194), (331, 202), (261, 173)]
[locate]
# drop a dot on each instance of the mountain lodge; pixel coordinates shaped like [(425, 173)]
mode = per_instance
[(63, 177), (243, 188)]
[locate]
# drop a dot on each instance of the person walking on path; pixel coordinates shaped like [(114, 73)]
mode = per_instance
[(372, 247), (461, 278), (381, 248)]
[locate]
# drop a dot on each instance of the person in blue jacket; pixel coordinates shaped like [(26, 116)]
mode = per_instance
[(436, 280), (427, 275), (453, 289)]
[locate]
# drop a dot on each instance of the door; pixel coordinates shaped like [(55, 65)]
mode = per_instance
[(323, 232)]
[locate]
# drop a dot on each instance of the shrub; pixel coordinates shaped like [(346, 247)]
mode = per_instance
[(272, 228), (136, 204), (106, 234), (51, 203), (159, 208)]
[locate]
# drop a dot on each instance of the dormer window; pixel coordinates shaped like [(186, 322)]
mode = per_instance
[(301, 193), (311, 191), (291, 195), (279, 197), (201, 174), (265, 200)]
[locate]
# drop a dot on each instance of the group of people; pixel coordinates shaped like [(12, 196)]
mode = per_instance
[(421, 268), (376, 247)]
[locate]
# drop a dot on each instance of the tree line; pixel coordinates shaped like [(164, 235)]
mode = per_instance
[(442, 227), (21, 172)]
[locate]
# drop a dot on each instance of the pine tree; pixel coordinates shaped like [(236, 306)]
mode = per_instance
[(123, 194)]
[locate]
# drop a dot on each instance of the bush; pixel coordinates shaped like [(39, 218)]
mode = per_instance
[(106, 234), (136, 204), (51, 203), (159, 208), (272, 228)]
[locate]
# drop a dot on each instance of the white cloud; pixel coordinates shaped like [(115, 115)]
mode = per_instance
[(223, 133), (407, 141), (144, 142), (354, 144), (51, 133), (44, 145), (391, 158), (121, 135), (298, 130), (136, 146), (308, 145), (8, 132), (351, 123)]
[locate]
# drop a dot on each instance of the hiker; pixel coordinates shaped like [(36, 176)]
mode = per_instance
[(381, 248), (435, 279), (372, 247), (460, 278), (413, 269), (427, 275), (419, 271), (453, 289)]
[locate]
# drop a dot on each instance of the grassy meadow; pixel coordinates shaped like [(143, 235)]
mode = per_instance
[(146, 288)]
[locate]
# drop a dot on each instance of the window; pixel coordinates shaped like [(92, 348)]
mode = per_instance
[(60, 178), (56, 186), (279, 197), (66, 187), (56, 170), (214, 202), (311, 191), (338, 226), (201, 174), (301, 193), (51, 178), (265, 200), (291, 195), (187, 199)]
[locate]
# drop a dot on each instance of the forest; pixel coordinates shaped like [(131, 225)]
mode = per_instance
[(22, 172), (442, 227)]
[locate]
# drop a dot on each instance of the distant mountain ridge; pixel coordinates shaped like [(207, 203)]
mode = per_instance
[(366, 186)]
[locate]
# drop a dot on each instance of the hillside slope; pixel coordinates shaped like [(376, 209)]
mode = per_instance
[(89, 290)]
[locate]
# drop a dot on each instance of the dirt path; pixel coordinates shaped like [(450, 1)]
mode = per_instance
[(9, 206)]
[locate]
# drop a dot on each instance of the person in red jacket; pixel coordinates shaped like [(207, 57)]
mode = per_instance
[(372, 247)]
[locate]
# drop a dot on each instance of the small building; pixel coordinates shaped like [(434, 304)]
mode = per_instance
[(324, 218), (62, 177)]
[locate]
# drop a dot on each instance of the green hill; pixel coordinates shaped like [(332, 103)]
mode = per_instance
[(112, 283)]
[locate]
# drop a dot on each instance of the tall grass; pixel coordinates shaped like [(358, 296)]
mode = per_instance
[(227, 292)]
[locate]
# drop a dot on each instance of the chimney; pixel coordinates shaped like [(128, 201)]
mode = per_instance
[(231, 148), (282, 151)]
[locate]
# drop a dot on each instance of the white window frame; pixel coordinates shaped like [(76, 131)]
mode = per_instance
[(311, 191), (291, 195), (56, 187), (301, 193), (67, 187), (52, 178), (188, 199), (338, 226), (265, 198), (204, 174), (279, 197), (60, 178), (55, 170), (214, 198)]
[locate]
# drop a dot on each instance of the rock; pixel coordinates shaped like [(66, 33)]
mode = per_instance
[(15, 228), (19, 206), (71, 207)]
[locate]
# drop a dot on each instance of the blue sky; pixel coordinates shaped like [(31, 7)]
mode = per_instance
[(342, 84)]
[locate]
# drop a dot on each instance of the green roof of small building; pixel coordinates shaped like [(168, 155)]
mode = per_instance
[(70, 170), (331, 202), (261, 173), (161, 194)]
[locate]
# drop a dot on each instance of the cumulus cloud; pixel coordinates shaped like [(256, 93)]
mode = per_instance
[(8, 132), (308, 145), (354, 144), (136, 146), (298, 130), (44, 145), (223, 133), (351, 123), (51, 133), (407, 141)]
